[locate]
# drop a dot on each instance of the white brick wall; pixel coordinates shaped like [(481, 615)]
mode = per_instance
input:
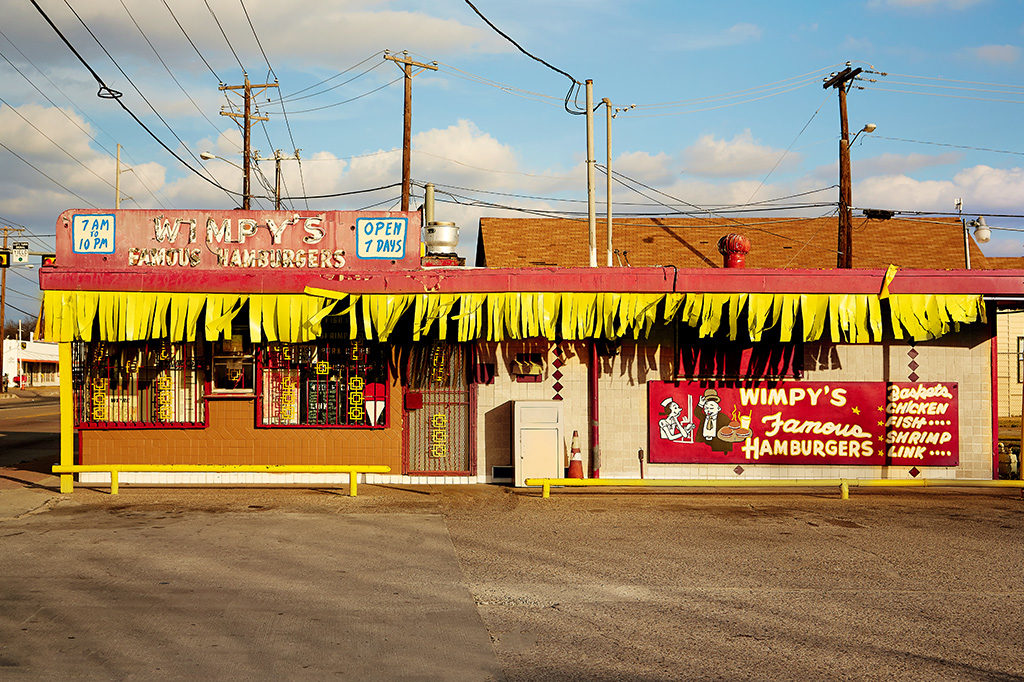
[(962, 358)]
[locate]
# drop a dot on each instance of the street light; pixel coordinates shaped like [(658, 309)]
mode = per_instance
[(207, 156), (868, 128)]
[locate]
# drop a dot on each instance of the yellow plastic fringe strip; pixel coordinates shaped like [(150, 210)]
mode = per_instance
[(298, 318)]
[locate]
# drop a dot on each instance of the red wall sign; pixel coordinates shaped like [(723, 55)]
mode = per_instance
[(803, 422), (923, 425), (198, 239)]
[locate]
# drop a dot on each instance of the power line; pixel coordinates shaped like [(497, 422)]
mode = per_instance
[(130, 81), (785, 82), (35, 168), (803, 84), (874, 88), (574, 83), (345, 194), (351, 99), (108, 93), (284, 111), (168, 69), (230, 46), (191, 42), (948, 80), (56, 144), (291, 99), (943, 144), (73, 105), (783, 156), (330, 78)]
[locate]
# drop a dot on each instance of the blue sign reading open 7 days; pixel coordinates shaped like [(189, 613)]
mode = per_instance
[(381, 238)]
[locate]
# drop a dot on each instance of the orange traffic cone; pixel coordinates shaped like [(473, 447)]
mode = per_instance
[(575, 458)]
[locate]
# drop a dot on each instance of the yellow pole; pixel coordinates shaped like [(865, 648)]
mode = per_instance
[(352, 484), (547, 490), (67, 417), (844, 491), (113, 482)]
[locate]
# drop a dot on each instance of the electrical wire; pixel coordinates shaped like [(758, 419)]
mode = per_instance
[(226, 40), (191, 42), (874, 88), (30, 164), (785, 82), (574, 86), (128, 78), (74, 106), (943, 144), (291, 99), (345, 194), (168, 69), (8, 304), (107, 93), (947, 80), (783, 156), (330, 78), (57, 144), (351, 99), (726, 105)]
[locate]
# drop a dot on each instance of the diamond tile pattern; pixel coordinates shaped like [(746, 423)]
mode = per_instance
[(738, 470), (915, 472), (913, 353), (913, 376)]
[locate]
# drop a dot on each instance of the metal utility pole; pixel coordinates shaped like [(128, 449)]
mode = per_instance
[(3, 290), (591, 210), (277, 159), (407, 65), (608, 174), (844, 258), (117, 179), (248, 120)]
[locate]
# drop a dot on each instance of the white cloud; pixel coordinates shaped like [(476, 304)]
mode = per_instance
[(740, 156), (736, 34), (983, 188), (995, 54)]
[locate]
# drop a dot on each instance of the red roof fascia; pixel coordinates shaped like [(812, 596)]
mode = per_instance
[(485, 280)]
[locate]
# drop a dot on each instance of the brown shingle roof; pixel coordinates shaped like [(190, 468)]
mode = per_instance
[(1005, 262), (797, 243)]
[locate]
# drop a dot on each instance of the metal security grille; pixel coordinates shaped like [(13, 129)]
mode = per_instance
[(343, 384), (438, 440), (149, 384)]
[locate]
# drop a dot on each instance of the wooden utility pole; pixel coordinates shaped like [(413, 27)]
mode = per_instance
[(117, 179), (248, 120), (3, 291), (844, 257), (608, 176), (277, 159), (591, 210), (407, 65)]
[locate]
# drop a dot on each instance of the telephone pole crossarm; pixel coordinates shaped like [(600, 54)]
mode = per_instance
[(407, 64), (249, 117)]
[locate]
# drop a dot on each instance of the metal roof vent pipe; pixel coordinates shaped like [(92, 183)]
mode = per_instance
[(440, 238), (734, 249)]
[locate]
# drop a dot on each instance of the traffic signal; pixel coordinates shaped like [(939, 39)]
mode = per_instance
[(5, 259)]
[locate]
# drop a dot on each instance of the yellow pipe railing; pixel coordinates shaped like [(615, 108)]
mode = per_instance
[(115, 469), (843, 484)]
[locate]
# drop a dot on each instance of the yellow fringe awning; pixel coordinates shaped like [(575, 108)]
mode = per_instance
[(298, 318)]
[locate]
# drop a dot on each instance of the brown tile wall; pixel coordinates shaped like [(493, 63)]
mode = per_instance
[(232, 438)]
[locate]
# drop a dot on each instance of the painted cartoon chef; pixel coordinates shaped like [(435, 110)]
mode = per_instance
[(672, 427)]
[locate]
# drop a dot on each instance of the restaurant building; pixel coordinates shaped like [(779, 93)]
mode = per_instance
[(263, 337)]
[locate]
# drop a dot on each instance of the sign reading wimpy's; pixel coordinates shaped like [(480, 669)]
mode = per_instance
[(196, 239), (853, 423)]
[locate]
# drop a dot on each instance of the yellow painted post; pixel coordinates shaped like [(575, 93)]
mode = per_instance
[(113, 482), (547, 489), (352, 484), (844, 491), (67, 420)]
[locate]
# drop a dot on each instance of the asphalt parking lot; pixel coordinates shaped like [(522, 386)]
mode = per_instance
[(486, 582)]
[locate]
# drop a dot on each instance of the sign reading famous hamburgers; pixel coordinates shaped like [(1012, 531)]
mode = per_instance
[(767, 423)]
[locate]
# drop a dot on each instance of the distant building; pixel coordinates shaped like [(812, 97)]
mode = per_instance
[(34, 360)]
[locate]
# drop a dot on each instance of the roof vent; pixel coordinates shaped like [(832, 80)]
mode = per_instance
[(442, 238), (734, 249)]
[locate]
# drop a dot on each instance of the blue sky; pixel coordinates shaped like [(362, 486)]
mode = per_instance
[(750, 120)]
